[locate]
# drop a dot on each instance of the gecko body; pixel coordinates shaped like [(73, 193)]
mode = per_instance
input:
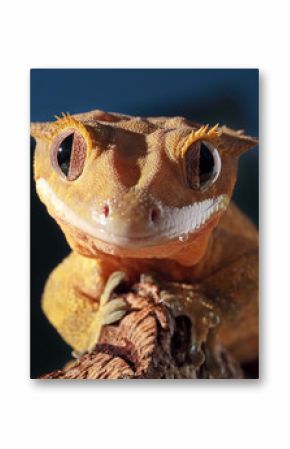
[(146, 195)]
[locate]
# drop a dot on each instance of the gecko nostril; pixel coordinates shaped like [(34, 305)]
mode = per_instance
[(154, 215), (106, 210)]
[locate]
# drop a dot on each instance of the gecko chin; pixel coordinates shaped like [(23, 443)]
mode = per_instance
[(156, 246), (129, 238)]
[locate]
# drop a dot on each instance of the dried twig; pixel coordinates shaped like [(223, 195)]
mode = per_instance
[(149, 343)]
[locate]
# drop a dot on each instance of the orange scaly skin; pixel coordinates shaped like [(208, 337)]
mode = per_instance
[(131, 209)]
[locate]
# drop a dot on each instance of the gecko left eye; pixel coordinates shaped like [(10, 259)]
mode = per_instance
[(68, 154), (202, 165)]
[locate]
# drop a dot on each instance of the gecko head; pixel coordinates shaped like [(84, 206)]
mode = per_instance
[(135, 187)]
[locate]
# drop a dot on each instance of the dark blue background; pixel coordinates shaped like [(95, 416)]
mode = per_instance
[(227, 96)]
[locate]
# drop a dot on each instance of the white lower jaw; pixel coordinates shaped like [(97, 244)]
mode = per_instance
[(175, 223)]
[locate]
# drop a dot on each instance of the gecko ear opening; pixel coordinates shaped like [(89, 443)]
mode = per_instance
[(236, 142)]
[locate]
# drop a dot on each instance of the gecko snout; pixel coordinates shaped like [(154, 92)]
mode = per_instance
[(129, 217), (154, 212)]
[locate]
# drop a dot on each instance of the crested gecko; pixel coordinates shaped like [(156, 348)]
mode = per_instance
[(137, 195)]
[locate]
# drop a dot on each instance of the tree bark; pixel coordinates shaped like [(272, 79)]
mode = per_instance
[(153, 342)]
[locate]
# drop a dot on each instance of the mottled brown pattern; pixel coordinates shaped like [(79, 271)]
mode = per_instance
[(141, 346)]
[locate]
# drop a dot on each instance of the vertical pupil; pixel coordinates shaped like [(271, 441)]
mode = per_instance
[(206, 164), (64, 154)]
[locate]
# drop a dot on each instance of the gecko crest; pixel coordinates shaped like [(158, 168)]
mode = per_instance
[(203, 133), (67, 122)]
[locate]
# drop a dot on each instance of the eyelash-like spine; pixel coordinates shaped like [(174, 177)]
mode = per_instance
[(66, 122), (203, 133)]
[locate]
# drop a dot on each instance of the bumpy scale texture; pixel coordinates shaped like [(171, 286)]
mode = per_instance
[(129, 208)]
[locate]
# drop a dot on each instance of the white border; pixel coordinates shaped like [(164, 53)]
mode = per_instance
[(144, 414)]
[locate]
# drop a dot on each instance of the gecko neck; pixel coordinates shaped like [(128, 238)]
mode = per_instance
[(193, 253)]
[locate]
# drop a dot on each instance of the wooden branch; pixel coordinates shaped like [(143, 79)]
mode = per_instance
[(149, 343)]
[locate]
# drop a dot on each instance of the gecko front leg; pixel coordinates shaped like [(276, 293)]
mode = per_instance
[(110, 310), (77, 300)]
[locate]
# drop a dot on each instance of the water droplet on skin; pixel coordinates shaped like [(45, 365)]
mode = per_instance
[(183, 237), (196, 355), (213, 319)]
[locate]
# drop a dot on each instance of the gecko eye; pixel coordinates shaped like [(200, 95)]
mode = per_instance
[(69, 153), (202, 165)]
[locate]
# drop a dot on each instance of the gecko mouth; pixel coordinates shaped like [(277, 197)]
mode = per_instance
[(175, 223)]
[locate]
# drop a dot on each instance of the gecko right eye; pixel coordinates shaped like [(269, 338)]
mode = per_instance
[(68, 154), (202, 165)]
